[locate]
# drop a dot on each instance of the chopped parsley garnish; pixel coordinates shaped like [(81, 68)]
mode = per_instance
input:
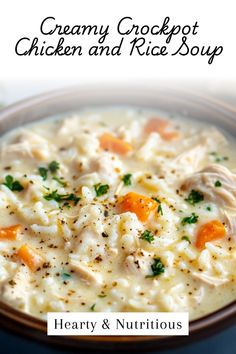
[(62, 197), (147, 236), (218, 183), (157, 268), (60, 181), (156, 199), (159, 209), (43, 172), (65, 276), (192, 219), (92, 308), (54, 166), (101, 189), (186, 238), (127, 179), (14, 186), (194, 197), (208, 208), (102, 295)]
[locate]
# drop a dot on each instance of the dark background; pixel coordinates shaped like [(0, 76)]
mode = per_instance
[(222, 343)]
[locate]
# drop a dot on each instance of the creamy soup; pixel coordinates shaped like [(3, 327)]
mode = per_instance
[(117, 209)]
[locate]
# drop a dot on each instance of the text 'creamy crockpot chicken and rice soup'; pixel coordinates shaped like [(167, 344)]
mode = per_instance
[(117, 210)]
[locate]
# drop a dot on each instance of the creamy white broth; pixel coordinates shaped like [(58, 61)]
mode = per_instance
[(91, 255)]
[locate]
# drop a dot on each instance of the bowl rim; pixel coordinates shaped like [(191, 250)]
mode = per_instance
[(195, 326), (159, 88), (209, 321)]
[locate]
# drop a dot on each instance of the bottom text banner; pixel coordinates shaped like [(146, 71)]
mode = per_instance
[(118, 323)]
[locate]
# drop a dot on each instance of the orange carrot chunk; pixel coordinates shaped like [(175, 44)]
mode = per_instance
[(139, 204), (111, 143), (9, 233), (160, 125), (30, 257), (173, 135), (210, 231), (156, 125)]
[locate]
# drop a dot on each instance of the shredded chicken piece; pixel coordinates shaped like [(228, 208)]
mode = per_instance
[(138, 262), (186, 163), (205, 180), (230, 222), (224, 195), (28, 144), (192, 158), (210, 280), (86, 273)]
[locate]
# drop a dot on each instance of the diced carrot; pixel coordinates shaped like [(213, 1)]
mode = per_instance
[(10, 232), (111, 143), (139, 204), (160, 125), (156, 125), (172, 135), (30, 257), (210, 231)]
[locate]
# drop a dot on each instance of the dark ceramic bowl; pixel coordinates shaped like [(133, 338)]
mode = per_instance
[(172, 101)]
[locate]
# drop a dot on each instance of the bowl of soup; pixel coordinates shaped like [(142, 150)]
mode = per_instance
[(118, 200)]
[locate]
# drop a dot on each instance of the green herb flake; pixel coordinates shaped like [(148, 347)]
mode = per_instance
[(65, 276), (102, 296), (54, 166), (14, 186), (157, 268), (60, 181), (186, 238), (127, 179), (147, 236), (192, 219), (156, 199), (62, 197), (208, 208), (194, 197), (43, 173), (92, 308), (218, 183), (101, 189), (159, 209)]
